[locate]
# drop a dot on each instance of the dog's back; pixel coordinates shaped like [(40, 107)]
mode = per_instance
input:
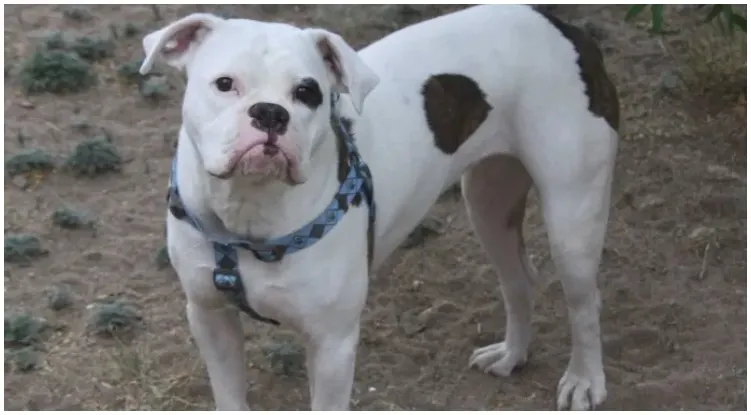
[(512, 51)]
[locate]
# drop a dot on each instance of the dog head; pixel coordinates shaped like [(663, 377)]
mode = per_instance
[(257, 99)]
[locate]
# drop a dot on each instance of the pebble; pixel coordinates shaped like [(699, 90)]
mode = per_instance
[(21, 182), (723, 172), (701, 232)]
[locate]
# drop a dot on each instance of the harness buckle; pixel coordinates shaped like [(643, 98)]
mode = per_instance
[(227, 280)]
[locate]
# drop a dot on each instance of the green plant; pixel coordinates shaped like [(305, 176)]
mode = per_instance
[(129, 71), (89, 48), (154, 89), (23, 329), (56, 71), (77, 13), (69, 218), (59, 297), (56, 41), (130, 29), (729, 20), (23, 339), (95, 156), (32, 159), (21, 248), (93, 48), (285, 357), (24, 359), (111, 318)]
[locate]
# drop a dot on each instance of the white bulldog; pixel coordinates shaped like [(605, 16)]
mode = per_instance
[(502, 97)]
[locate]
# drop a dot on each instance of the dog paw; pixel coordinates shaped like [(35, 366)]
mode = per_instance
[(498, 359), (581, 391)]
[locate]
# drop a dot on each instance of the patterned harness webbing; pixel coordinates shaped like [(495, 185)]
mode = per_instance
[(226, 275)]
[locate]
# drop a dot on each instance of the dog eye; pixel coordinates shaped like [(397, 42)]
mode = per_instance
[(308, 92), (224, 84)]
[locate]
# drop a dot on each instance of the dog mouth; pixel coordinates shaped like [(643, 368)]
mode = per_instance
[(264, 158)]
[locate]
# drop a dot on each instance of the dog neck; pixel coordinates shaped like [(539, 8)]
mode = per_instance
[(252, 208)]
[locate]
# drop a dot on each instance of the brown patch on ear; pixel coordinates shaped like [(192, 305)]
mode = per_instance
[(455, 106), (603, 97), (330, 57)]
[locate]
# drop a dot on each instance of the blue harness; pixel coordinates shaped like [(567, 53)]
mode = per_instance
[(355, 186)]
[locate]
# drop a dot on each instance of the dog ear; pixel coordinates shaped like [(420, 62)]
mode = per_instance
[(351, 74), (177, 42)]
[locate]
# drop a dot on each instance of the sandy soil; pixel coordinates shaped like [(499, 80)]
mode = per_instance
[(673, 275)]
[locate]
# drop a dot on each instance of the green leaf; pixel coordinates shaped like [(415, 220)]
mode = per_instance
[(657, 17), (727, 11), (716, 9), (634, 10), (740, 21)]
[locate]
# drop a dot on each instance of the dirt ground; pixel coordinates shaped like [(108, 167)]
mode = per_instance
[(673, 275)]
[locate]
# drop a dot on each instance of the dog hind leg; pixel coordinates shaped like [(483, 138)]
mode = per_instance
[(495, 191), (572, 167)]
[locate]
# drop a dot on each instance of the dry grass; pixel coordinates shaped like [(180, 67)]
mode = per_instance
[(712, 65), (673, 276)]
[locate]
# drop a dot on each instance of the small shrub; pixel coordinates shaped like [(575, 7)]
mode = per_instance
[(154, 89), (77, 13), (80, 124), (23, 329), (59, 297), (92, 48), (94, 157), (56, 41), (57, 72), (24, 359), (286, 358), (22, 248), (114, 317), (69, 218), (130, 30), (28, 160), (129, 71), (728, 19)]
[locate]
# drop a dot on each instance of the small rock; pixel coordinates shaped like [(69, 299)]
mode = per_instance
[(723, 172), (26, 104), (701, 232), (417, 284), (20, 181), (425, 318), (651, 201), (93, 256), (413, 323), (669, 81), (371, 389), (410, 323)]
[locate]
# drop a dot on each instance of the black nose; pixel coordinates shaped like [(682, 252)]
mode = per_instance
[(269, 117)]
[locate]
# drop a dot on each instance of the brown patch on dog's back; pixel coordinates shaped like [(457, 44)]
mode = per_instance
[(603, 97), (455, 106)]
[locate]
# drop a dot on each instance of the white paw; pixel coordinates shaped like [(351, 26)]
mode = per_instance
[(498, 359), (581, 392)]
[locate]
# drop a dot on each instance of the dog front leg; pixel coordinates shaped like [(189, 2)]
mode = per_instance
[(218, 333), (330, 359)]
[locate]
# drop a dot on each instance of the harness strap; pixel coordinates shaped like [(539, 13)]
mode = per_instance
[(226, 275)]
